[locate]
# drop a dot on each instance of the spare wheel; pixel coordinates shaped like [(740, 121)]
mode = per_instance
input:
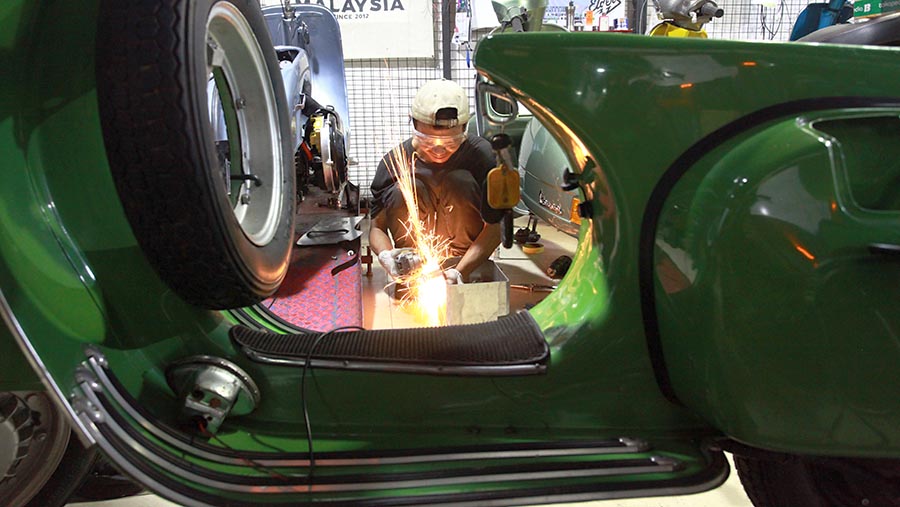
[(214, 219)]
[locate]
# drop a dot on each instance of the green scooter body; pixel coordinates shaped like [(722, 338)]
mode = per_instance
[(772, 350)]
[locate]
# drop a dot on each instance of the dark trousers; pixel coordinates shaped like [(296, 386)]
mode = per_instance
[(449, 205)]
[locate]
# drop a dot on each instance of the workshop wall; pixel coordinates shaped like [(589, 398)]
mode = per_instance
[(748, 20), (380, 90)]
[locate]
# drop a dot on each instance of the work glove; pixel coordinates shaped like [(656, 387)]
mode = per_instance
[(388, 262), (453, 276)]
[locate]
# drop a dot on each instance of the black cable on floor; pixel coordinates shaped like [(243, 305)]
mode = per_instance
[(306, 366)]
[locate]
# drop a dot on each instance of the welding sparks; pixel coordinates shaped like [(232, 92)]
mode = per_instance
[(426, 288)]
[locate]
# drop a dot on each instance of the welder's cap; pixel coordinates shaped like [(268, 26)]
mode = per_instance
[(441, 103)]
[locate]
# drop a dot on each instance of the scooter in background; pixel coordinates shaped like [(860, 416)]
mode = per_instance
[(685, 18)]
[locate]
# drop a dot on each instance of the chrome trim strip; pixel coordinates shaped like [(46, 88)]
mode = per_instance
[(482, 479), (38, 366), (110, 390), (660, 465), (160, 462), (132, 471), (606, 495), (629, 446), (497, 371)]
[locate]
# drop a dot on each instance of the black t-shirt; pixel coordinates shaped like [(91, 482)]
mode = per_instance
[(474, 155)]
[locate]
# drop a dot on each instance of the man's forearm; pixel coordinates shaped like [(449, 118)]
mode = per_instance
[(379, 240), (485, 244)]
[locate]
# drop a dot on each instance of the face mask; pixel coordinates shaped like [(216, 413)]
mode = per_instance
[(438, 148)]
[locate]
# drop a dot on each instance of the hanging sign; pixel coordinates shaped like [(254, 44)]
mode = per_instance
[(383, 28), (587, 13)]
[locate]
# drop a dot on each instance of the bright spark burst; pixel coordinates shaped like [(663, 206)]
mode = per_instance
[(427, 290)]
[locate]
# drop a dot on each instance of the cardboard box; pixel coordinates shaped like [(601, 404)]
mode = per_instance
[(483, 299)]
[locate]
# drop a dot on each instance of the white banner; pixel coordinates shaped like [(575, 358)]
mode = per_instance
[(612, 9), (383, 28)]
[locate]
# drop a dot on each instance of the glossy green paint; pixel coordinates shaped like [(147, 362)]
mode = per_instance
[(634, 105), (778, 323), (96, 287), (72, 274), (17, 373)]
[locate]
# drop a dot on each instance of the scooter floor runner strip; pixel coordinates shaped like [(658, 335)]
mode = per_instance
[(495, 450), (512, 342), (478, 481), (472, 471), (532, 490)]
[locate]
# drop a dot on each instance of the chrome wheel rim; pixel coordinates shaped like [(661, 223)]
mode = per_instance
[(256, 145)]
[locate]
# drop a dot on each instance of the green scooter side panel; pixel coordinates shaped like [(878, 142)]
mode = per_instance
[(76, 276), (627, 109), (72, 275), (18, 375), (778, 321)]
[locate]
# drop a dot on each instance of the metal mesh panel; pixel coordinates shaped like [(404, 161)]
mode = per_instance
[(746, 20), (380, 92)]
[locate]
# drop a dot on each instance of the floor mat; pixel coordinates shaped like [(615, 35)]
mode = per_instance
[(322, 289)]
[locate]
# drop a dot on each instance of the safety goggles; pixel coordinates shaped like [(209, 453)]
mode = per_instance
[(439, 147)]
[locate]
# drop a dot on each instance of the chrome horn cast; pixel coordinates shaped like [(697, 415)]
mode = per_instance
[(211, 389)]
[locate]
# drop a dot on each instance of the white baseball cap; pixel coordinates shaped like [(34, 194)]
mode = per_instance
[(437, 95)]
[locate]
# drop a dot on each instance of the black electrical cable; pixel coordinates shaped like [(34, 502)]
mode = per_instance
[(249, 462), (773, 31), (306, 365)]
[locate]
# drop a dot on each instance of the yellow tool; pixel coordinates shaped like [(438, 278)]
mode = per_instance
[(532, 248), (503, 180)]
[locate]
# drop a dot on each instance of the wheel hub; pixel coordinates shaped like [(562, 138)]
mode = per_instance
[(33, 438), (16, 430)]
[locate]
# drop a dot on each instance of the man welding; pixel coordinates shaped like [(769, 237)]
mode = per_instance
[(450, 171)]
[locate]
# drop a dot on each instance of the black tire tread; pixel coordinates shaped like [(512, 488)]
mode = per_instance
[(71, 472), (141, 63)]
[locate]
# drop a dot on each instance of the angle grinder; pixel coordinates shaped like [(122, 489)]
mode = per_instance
[(408, 261)]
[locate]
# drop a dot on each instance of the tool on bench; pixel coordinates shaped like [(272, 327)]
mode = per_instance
[(533, 287)]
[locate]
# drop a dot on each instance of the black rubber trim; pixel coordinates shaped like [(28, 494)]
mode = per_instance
[(248, 320), (712, 475), (510, 341), (358, 454), (671, 177), (244, 318)]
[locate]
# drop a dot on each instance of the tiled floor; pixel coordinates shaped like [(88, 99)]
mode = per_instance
[(381, 312)]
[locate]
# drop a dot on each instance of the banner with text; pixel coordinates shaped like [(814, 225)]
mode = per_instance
[(556, 10), (383, 28)]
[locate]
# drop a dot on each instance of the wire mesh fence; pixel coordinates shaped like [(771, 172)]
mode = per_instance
[(748, 20), (380, 90)]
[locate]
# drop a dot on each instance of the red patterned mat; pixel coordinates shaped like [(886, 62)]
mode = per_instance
[(312, 297)]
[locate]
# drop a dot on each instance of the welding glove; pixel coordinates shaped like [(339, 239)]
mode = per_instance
[(388, 262), (453, 276)]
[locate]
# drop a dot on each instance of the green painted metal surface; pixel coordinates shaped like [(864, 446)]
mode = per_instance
[(634, 105), (76, 276), (778, 321), (626, 108)]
